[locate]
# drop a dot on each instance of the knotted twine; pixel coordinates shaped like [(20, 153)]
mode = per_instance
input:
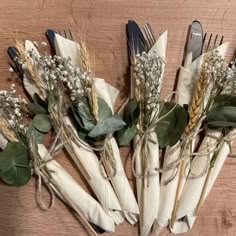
[(144, 139)]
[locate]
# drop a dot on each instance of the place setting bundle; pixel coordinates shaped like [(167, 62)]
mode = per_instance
[(178, 143)]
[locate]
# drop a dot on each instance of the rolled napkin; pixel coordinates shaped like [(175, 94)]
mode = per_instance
[(101, 187), (188, 77), (193, 188), (148, 187), (120, 183), (71, 192)]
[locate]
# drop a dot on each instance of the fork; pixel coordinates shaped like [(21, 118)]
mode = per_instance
[(149, 36), (211, 44), (67, 34)]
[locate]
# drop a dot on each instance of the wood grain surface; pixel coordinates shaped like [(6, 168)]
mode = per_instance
[(103, 23)]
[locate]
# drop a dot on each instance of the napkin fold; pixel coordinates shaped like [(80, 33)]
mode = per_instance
[(148, 187), (189, 75), (120, 183)]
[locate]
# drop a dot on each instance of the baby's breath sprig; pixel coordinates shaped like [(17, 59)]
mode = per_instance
[(12, 117), (218, 72), (148, 70)]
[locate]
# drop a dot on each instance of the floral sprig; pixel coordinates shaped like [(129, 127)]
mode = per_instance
[(148, 70), (11, 108)]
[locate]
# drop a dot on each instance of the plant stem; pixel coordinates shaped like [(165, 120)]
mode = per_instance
[(203, 191), (180, 181)]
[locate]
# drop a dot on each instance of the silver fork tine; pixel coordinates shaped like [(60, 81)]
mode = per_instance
[(209, 41), (65, 34), (149, 35), (221, 40), (71, 35), (215, 40)]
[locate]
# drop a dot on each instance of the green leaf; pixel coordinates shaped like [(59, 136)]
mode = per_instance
[(38, 136), (42, 123), (52, 100), (132, 112), (38, 100), (36, 108), (224, 100), (125, 135), (170, 129), (85, 114), (14, 164), (107, 126), (104, 111), (224, 116)]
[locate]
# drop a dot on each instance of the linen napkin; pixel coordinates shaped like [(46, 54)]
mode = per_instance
[(81, 200), (148, 187), (124, 193)]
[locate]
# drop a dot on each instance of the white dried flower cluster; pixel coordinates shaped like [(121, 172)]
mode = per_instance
[(148, 71), (218, 72), (61, 69), (11, 109)]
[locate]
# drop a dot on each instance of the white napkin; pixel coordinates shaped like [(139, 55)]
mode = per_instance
[(81, 200), (190, 73), (3, 141), (189, 200), (148, 196), (188, 76), (65, 48)]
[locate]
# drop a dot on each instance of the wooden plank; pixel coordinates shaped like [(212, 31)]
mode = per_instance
[(103, 24)]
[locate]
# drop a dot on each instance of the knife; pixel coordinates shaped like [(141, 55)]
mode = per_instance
[(195, 40), (136, 39), (17, 67), (51, 38)]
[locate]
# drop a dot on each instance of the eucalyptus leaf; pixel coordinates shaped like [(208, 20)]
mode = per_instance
[(125, 135), (38, 136), (38, 100), (85, 114), (42, 123), (36, 108), (224, 100), (52, 100), (170, 129), (15, 164), (107, 126), (104, 111), (223, 116), (132, 112), (76, 115)]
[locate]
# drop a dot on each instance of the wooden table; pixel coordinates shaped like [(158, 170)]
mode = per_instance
[(103, 23)]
